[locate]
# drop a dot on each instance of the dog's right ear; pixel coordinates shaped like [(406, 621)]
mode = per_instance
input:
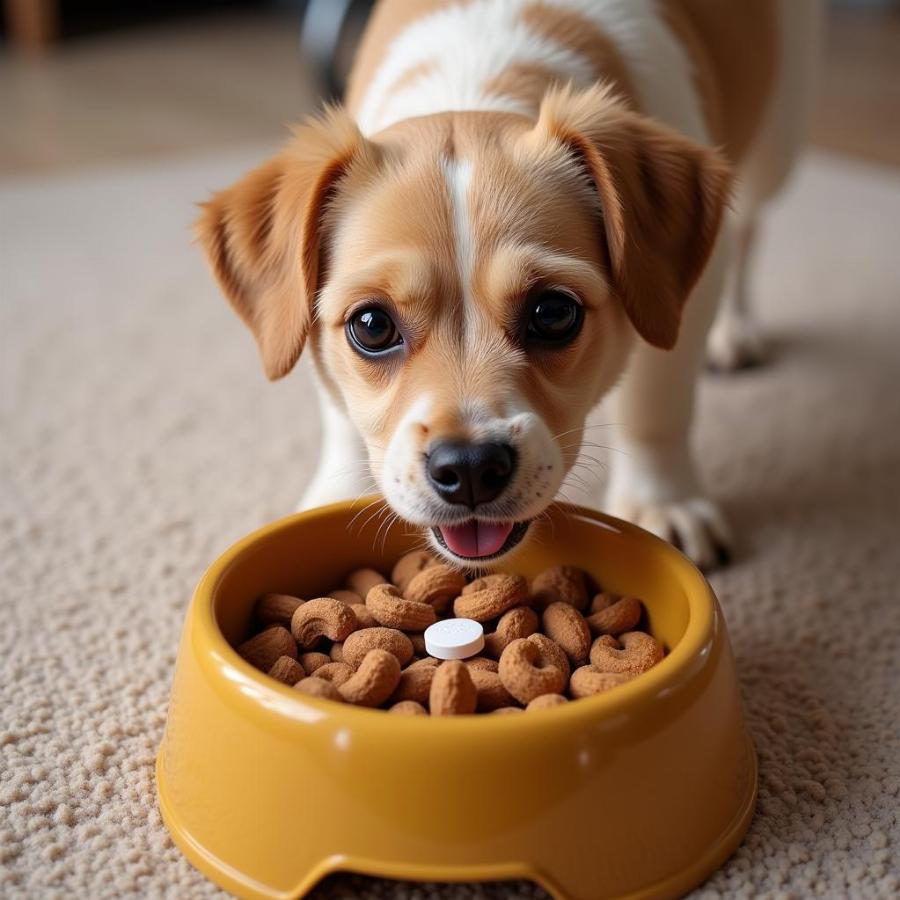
[(263, 236)]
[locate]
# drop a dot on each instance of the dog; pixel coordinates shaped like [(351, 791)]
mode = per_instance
[(523, 206)]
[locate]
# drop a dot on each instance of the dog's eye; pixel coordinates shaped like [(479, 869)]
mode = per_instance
[(555, 318), (372, 330)]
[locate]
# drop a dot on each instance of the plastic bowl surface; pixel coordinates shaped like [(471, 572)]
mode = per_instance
[(639, 792)]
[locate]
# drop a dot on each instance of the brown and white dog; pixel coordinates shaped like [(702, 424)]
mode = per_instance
[(519, 209)]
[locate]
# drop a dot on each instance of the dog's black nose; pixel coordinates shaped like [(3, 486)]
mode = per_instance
[(470, 474)]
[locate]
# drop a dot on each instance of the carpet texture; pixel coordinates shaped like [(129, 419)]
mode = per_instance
[(139, 439)]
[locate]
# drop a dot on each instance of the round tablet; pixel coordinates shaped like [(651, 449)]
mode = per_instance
[(454, 638)]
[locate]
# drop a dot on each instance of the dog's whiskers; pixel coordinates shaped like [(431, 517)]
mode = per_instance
[(373, 517), (369, 505), (386, 524), (556, 437)]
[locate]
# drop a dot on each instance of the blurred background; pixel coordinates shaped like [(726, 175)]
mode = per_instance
[(91, 81), (139, 437)]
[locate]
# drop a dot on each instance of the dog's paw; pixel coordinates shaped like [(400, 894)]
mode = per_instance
[(694, 525), (734, 343)]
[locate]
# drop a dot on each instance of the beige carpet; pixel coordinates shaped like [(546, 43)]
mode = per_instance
[(139, 439)]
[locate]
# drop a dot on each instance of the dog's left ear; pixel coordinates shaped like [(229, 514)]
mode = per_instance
[(264, 235), (661, 199)]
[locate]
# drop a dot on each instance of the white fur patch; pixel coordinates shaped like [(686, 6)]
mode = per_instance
[(458, 173), (464, 47)]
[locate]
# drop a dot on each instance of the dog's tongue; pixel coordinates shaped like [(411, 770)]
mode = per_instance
[(474, 538)]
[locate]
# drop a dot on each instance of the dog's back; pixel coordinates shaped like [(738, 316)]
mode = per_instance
[(497, 152), (732, 74)]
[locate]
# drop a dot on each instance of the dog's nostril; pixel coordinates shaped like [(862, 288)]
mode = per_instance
[(470, 474), (446, 477)]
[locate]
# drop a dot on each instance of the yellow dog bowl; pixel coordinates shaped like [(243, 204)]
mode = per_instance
[(639, 792)]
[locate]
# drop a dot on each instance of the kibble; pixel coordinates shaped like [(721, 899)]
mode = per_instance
[(374, 681), (322, 618), (560, 584), (313, 660), (276, 609), (319, 687), (545, 644), (565, 625), (266, 648), (335, 672), (361, 581), (614, 615), (453, 692), (414, 684), (286, 670), (409, 565), (408, 708), (390, 608)]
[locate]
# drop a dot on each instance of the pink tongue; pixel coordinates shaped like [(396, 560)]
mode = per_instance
[(475, 538)]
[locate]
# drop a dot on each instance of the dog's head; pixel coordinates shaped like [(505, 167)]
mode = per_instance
[(470, 284)]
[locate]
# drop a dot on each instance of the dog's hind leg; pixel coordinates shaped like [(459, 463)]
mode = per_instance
[(734, 340)]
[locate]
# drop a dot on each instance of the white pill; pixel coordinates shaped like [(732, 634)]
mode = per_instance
[(454, 638)]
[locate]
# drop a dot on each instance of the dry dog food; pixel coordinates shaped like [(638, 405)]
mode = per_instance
[(429, 642)]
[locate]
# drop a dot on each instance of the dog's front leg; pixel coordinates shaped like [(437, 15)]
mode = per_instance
[(343, 470), (654, 482)]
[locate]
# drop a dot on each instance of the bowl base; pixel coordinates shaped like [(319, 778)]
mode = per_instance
[(559, 887)]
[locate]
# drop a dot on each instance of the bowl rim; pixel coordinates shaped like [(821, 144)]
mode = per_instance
[(244, 683)]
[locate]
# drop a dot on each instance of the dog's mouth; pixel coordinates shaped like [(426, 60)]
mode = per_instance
[(478, 539)]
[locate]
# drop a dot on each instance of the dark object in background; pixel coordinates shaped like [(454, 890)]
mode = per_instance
[(35, 25), (330, 33)]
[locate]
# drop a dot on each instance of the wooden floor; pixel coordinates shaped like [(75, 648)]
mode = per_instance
[(220, 81), (194, 85)]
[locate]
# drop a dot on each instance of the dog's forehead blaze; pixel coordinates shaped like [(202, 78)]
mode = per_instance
[(511, 199)]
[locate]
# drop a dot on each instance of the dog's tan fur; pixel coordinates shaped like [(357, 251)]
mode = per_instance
[(662, 199), (585, 192)]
